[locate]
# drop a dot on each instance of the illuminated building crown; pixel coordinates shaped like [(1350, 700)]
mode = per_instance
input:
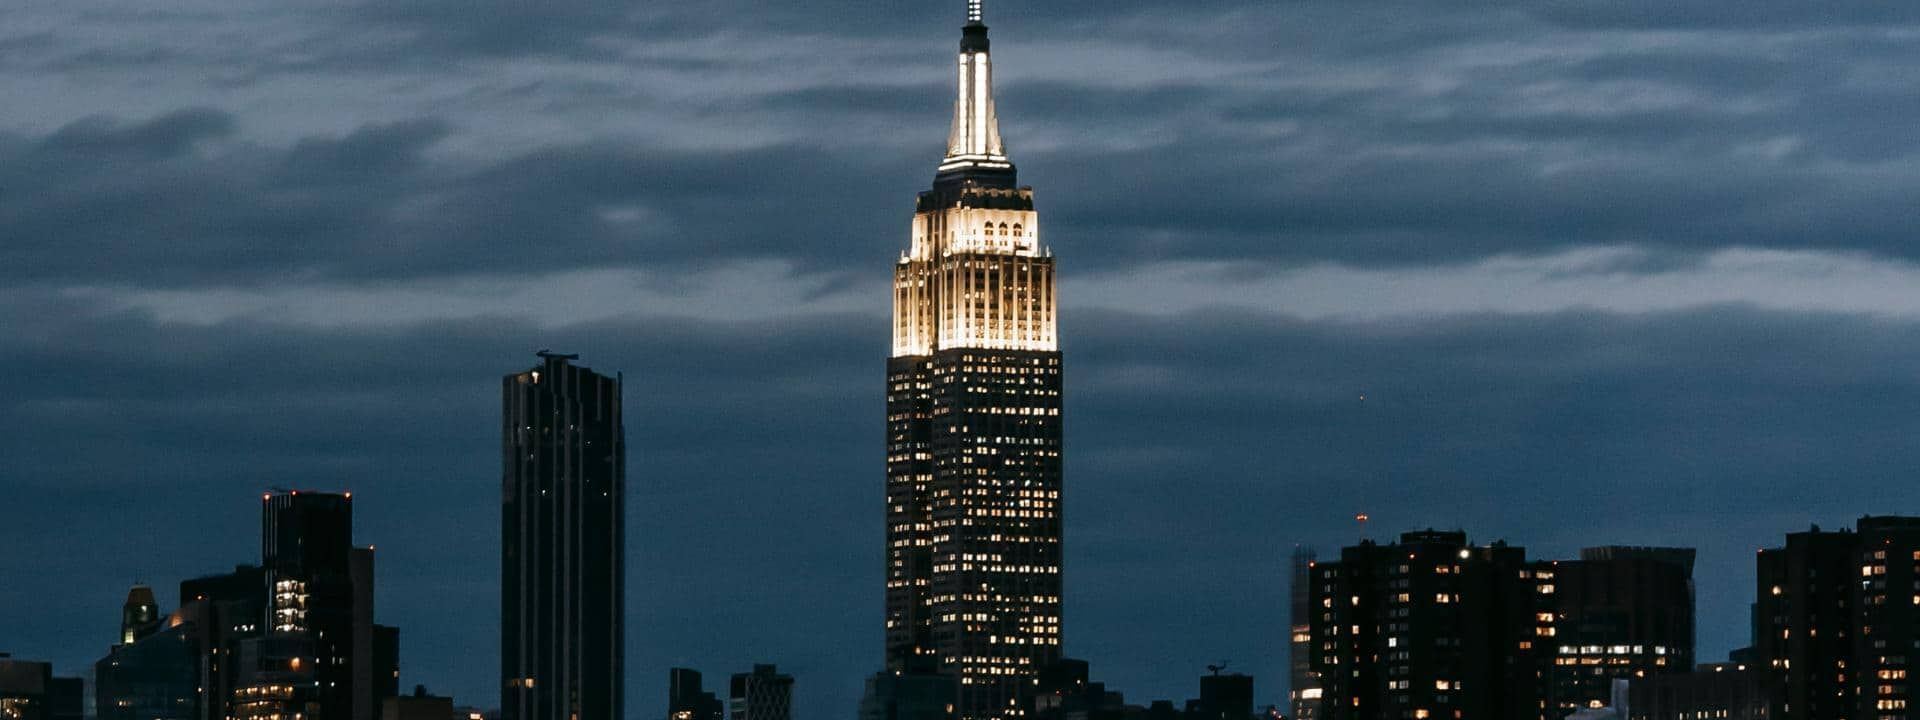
[(975, 139)]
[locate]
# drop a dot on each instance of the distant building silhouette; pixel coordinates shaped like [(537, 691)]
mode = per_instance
[(1731, 690), (563, 544), (1430, 627), (1803, 624), (30, 691), (915, 693), (1836, 621), (1886, 643), (376, 647), (763, 694), (221, 611), (1065, 690), (418, 706), (1303, 694), (1617, 613), (140, 615), (974, 385), (153, 673), (687, 699), (317, 653), (1223, 697), (1434, 627)]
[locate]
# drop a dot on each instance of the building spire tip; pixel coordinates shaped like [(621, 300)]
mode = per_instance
[(976, 13)]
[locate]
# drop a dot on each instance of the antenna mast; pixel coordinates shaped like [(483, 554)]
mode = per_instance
[(975, 13)]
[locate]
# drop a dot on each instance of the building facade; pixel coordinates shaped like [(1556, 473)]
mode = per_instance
[(563, 540), (974, 422), (1223, 697), (306, 553), (1886, 643), (30, 691), (419, 706), (687, 699), (1836, 621), (763, 694), (1714, 691), (1617, 613), (1303, 693), (909, 695), (153, 673), (1429, 627), (1803, 619), (222, 611)]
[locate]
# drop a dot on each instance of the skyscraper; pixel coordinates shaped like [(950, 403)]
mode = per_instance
[(564, 469), (304, 660), (973, 420)]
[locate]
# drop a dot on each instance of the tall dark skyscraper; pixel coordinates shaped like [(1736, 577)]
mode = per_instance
[(306, 549), (973, 420), (563, 532), (316, 652)]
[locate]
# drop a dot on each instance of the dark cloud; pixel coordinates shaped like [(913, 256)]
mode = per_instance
[(172, 202), (1313, 144)]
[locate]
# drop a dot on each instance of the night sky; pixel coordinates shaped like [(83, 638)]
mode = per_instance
[(1623, 272)]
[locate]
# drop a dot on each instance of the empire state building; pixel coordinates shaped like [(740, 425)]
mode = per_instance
[(973, 421)]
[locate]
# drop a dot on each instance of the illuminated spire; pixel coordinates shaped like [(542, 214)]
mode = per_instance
[(975, 139)]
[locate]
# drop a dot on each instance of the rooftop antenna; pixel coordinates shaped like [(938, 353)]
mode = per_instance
[(975, 13), (1215, 669)]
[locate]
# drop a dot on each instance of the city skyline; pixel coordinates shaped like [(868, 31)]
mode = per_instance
[(1563, 276)]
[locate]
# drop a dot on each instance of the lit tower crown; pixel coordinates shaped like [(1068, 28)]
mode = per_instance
[(976, 275), (974, 436), (975, 139)]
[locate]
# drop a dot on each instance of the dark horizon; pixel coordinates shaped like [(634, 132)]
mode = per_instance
[(1554, 273)]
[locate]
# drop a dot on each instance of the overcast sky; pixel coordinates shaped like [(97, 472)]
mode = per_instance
[(1624, 272)]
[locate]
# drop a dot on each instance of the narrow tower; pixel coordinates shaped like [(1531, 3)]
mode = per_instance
[(140, 616), (973, 421), (563, 533)]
